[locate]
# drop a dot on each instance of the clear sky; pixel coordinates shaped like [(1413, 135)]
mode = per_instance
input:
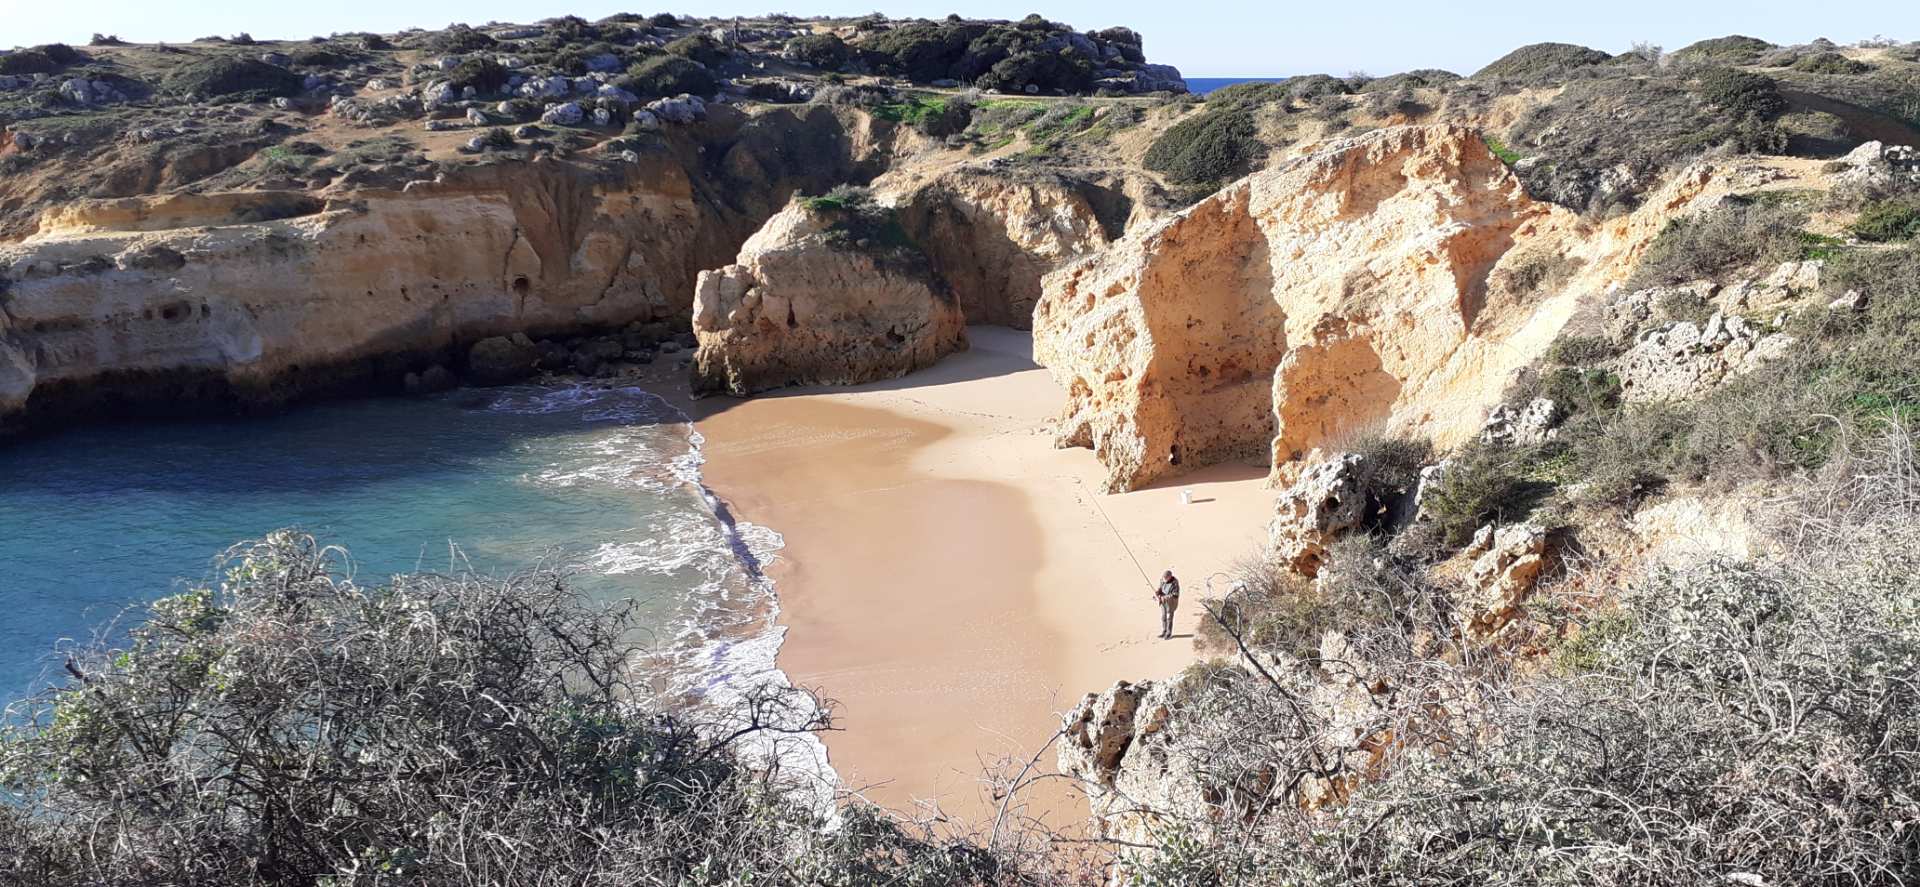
[(1202, 37)]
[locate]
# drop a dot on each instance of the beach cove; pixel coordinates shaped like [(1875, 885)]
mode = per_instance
[(952, 580)]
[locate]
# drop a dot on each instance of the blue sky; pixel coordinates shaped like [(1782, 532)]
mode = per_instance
[(1202, 38)]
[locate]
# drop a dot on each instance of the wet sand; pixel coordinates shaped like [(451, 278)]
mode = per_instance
[(952, 580)]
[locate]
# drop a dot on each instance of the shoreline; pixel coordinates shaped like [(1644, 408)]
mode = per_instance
[(952, 580)]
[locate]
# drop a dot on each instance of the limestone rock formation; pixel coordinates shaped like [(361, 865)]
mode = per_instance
[(238, 299), (1685, 360), (1509, 426), (1325, 501), (1508, 567), (1345, 288), (808, 303), (993, 237)]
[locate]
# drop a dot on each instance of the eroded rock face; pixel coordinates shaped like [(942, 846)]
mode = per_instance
[(802, 307), (1325, 501), (132, 292), (1504, 574), (1344, 289), (1686, 360), (993, 237)]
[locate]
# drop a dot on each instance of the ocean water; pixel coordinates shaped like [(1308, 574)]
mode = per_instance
[(608, 479), (1204, 85)]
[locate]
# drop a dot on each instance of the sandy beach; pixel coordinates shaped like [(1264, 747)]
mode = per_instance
[(950, 578)]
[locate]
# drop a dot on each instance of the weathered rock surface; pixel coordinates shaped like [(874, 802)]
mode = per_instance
[(801, 306), (1686, 360), (1325, 501), (1343, 289), (1509, 426), (1503, 575), (993, 237), (228, 300)]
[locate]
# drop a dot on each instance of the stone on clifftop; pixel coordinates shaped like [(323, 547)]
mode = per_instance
[(810, 303)]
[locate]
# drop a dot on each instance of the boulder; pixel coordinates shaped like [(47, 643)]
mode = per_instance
[(1325, 501), (1685, 360), (440, 94), (433, 379), (802, 306), (1523, 426), (1503, 576), (499, 360), (546, 87), (681, 109), (477, 117), (563, 114)]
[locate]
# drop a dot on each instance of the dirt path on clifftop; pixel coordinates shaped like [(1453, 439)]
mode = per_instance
[(951, 578)]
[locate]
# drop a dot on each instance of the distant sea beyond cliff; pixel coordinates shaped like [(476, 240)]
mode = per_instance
[(1204, 85)]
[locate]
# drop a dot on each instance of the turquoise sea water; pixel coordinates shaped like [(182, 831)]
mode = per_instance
[(96, 519)]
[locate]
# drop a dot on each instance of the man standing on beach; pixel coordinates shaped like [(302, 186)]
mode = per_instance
[(1168, 596)]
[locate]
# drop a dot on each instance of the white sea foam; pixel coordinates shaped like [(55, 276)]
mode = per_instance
[(726, 640)]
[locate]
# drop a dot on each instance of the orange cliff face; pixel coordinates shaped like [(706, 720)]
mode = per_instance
[(191, 285), (1369, 283)]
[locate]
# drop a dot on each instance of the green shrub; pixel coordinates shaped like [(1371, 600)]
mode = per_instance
[(1728, 237), (936, 116), (320, 56), (458, 39), (1830, 63), (38, 60), (1062, 71), (663, 20), (856, 221), (1208, 148), (1580, 351), (921, 51), (498, 137), (667, 75), (1888, 220), (243, 78), (1507, 155), (1730, 50), (292, 726), (1423, 78), (1741, 92), (700, 48), (824, 51), (1481, 485), (1542, 60), (483, 74)]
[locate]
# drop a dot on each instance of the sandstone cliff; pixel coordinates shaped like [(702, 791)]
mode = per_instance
[(992, 236), (1395, 279), (816, 299), (133, 292), (234, 299)]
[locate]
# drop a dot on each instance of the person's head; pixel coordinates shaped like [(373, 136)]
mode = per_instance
[(1167, 575)]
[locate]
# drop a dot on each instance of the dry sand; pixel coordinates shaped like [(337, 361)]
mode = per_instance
[(952, 580)]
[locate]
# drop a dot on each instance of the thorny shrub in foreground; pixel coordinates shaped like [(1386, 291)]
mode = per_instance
[(1731, 723), (292, 727)]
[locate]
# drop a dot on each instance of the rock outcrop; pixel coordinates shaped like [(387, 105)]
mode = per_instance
[(810, 302), (1508, 564), (992, 237), (231, 300), (147, 294), (1686, 360), (1325, 501), (1343, 289)]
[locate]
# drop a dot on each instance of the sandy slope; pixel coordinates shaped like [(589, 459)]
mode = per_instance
[(952, 579)]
